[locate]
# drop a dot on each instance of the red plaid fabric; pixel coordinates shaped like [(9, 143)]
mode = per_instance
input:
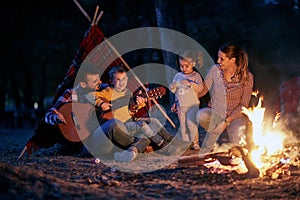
[(92, 38), (46, 135), (102, 57)]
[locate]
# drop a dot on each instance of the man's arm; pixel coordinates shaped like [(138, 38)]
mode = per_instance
[(53, 116)]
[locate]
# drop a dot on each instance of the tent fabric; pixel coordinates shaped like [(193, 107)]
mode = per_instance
[(93, 37), (45, 135)]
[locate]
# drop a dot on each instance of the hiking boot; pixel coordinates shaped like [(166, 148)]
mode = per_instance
[(125, 156)]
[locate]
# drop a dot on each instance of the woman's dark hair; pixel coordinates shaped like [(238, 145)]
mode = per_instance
[(232, 50)]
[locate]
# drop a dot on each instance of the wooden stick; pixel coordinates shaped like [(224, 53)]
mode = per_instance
[(99, 16), (82, 10), (138, 80), (22, 153), (96, 12), (252, 170), (194, 158)]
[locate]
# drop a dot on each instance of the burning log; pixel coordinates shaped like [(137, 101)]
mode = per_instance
[(253, 172), (196, 160), (249, 135), (224, 158)]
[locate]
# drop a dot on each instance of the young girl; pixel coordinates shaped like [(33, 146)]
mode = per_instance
[(186, 85)]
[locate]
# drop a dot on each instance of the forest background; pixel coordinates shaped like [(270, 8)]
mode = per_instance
[(40, 38)]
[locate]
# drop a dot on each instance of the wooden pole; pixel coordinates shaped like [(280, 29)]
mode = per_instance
[(138, 80), (82, 10), (22, 153), (99, 16), (96, 12), (123, 61)]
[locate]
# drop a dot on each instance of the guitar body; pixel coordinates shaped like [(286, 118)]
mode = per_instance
[(152, 95), (81, 121)]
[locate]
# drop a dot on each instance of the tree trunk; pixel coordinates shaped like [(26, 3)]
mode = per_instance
[(169, 14)]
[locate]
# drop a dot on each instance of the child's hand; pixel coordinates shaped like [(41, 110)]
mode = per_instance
[(174, 108), (105, 106), (141, 102), (185, 82)]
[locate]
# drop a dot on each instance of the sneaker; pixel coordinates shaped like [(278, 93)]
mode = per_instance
[(125, 156)]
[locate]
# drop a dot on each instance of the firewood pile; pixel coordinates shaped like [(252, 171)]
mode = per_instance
[(237, 159)]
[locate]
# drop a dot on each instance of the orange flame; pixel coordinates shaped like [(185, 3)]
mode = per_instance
[(255, 93), (268, 153), (267, 142)]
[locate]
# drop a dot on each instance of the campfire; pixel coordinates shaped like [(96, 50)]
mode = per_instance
[(269, 151)]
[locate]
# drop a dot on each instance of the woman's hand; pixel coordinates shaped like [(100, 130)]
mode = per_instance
[(219, 128), (174, 108)]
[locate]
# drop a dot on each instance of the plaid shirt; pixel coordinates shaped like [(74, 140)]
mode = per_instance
[(70, 95), (227, 98)]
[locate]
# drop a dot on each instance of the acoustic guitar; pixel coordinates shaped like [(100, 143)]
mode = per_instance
[(154, 93), (83, 118)]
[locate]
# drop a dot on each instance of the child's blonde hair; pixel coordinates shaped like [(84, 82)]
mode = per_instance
[(194, 56)]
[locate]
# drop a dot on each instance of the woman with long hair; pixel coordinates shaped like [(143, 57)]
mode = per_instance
[(230, 84)]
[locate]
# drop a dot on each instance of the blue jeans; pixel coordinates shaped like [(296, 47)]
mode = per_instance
[(152, 129), (113, 132), (235, 131)]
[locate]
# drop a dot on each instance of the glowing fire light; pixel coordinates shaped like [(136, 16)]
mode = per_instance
[(267, 143), (267, 152)]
